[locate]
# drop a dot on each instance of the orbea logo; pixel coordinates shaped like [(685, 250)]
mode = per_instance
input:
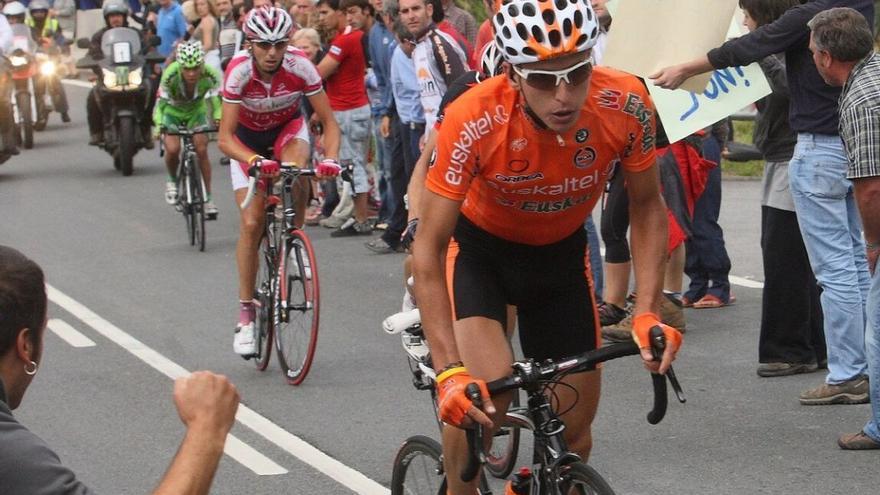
[(471, 132)]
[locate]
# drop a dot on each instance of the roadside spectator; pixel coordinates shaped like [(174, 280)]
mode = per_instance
[(461, 20), (205, 402), (842, 47), (604, 18), (303, 13), (791, 339), (822, 194), (207, 30), (309, 41), (485, 33), (343, 69), (707, 264), (225, 16), (437, 58), (439, 18), (170, 26)]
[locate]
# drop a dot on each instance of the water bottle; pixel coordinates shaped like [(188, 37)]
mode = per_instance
[(520, 483)]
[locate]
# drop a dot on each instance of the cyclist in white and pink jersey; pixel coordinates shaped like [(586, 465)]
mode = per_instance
[(262, 122)]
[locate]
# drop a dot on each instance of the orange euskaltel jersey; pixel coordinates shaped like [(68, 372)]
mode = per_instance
[(533, 186)]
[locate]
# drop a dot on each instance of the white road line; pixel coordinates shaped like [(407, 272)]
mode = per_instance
[(287, 441), (69, 334), (238, 450), (76, 82), (733, 279)]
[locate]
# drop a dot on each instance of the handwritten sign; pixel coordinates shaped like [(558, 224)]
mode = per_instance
[(729, 90), (647, 36)]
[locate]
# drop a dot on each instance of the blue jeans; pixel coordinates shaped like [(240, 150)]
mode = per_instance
[(383, 169), (832, 232), (595, 258), (872, 348), (707, 264)]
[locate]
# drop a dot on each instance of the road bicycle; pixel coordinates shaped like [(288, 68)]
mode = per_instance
[(191, 191), (287, 292), (501, 458), (418, 465)]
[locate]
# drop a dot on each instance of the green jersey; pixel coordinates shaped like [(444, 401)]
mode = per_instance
[(173, 100)]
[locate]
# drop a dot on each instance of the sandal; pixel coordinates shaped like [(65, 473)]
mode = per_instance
[(709, 301)]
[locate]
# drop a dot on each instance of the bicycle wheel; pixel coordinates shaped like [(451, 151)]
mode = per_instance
[(263, 296), (580, 479), (296, 307), (501, 458), (184, 200), (198, 203), (418, 468)]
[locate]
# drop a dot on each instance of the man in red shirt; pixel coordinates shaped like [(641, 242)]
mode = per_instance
[(343, 70)]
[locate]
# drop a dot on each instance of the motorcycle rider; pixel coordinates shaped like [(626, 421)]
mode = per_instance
[(187, 86), (47, 33), (116, 14), (12, 12)]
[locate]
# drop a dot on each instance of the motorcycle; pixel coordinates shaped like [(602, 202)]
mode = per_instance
[(9, 142), (23, 69), (51, 70), (123, 91)]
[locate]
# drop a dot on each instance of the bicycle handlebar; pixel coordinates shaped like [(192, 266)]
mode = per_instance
[(187, 132), (528, 372), (288, 168)]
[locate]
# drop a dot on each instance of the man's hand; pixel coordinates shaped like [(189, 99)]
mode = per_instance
[(453, 404), (671, 77), (642, 325), (269, 169), (385, 126), (409, 234), (873, 254), (206, 401), (328, 168)]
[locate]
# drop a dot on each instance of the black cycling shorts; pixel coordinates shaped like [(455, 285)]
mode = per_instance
[(549, 285)]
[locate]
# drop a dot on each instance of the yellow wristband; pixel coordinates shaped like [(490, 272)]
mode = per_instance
[(451, 371), (253, 158)]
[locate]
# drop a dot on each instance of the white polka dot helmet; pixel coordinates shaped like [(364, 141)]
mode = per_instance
[(535, 30)]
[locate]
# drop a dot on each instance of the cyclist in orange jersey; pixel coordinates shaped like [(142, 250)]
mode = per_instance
[(521, 160)]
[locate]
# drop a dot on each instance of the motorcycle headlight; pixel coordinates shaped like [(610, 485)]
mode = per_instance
[(47, 68), (18, 61), (135, 77), (109, 79)]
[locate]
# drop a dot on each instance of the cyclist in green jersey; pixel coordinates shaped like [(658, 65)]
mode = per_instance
[(186, 86)]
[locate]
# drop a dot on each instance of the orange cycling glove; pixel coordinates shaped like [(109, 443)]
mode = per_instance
[(453, 403), (642, 325)]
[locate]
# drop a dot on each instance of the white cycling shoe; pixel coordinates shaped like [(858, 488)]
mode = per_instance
[(244, 344), (171, 193)]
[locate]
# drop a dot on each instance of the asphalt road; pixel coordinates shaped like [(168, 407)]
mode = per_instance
[(123, 275)]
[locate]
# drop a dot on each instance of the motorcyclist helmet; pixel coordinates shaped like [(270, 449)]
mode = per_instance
[(190, 55), (115, 7), (38, 6), (15, 10), (268, 24), (536, 30)]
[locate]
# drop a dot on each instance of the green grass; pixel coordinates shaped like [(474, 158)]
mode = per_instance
[(742, 132)]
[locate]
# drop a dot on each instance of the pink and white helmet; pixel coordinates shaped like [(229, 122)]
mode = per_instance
[(535, 30), (269, 24)]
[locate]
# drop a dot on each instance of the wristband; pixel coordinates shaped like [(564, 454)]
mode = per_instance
[(871, 247), (447, 372), (253, 158)]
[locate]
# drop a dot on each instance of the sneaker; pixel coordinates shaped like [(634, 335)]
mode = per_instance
[(785, 369), (620, 331), (65, 117), (383, 225), (857, 441), (379, 246), (95, 139), (609, 313), (671, 312), (211, 210), (854, 391), (331, 222), (353, 228), (244, 344), (171, 192)]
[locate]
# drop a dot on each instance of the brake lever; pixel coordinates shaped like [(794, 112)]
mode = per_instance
[(658, 345), (476, 455), (676, 386)]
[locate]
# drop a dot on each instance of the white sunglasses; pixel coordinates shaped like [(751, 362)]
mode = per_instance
[(550, 79)]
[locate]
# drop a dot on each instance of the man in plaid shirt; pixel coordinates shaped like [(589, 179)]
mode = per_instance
[(843, 50)]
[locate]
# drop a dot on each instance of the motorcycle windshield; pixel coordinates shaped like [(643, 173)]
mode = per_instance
[(21, 39), (121, 46)]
